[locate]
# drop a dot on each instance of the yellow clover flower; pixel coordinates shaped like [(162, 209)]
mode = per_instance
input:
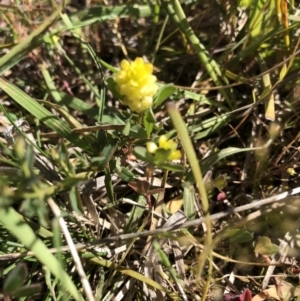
[(165, 144), (136, 84)]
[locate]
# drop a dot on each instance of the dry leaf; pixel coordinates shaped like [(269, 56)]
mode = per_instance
[(175, 204), (285, 289)]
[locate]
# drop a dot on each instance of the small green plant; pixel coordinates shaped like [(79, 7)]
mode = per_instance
[(103, 139)]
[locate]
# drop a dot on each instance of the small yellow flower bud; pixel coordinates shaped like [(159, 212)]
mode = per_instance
[(291, 171), (151, 147)]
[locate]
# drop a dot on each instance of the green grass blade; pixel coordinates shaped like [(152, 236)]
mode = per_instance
[(181, 128), (42, 114), (23, 48), (12, 221)]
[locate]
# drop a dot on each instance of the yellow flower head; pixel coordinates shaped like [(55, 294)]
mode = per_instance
[(136, 84), (164, 143)]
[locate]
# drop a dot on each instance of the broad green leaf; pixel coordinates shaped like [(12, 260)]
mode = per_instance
[(78, 105), (208, 162), (238, 235), (142, 154), (209, 126), (163, 94), (138, 132), (38, 229), (15, 278), (149, 121), (127, 128), (125, 174), (264, 246), (50, 82), (164, 259), (27, 291), (203, 99), (149, 116)]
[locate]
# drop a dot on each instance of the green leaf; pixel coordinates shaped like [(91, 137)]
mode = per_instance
[(220, 182), (163, 93), (127, 128), (189, 201), (172, 167), (141, 153), (75, 199), (149, 121), (208, 162), (27, 291), (264, 246), (149, 116), (122, 171), (138, 132), (239, 235), (211, 160), (15, 278), (78, 105)]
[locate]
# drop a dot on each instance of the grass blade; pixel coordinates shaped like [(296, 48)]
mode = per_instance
[(12, 221), (23, 48), (42, 114)]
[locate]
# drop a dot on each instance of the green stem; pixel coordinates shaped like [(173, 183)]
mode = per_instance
[(193, 161)]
